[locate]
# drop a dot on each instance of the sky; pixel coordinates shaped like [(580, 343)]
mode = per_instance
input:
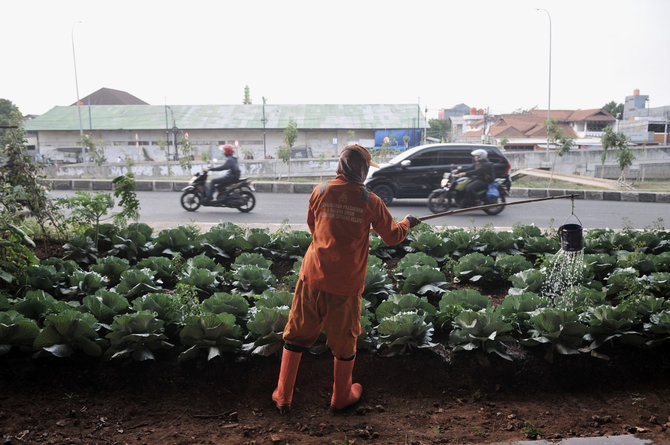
[(488, 54)]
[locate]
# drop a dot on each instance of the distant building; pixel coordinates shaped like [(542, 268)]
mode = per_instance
[(643, 124), (526, 131), (145, 132)]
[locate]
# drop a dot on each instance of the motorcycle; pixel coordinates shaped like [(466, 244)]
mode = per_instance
[(452, 193), (239, 195)]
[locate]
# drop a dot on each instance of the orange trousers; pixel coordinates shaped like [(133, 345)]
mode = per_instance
[(312, 310)]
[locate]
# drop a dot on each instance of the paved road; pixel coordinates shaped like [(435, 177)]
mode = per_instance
[(282, 208)]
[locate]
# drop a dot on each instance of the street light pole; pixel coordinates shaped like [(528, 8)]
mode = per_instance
[(264, 121), (549, 99), (76, 85)]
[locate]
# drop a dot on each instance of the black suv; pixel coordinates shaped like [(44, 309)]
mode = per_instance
[(416, 172)]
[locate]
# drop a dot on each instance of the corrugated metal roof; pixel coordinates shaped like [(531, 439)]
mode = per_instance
[(153, 117)]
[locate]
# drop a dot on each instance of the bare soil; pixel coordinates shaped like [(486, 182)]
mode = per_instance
[(415, 399)]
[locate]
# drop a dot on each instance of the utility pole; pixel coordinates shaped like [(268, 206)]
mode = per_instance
[(264, 121), (549, 99), (76, 85)]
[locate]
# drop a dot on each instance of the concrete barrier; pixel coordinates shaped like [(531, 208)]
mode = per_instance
[(307, 187)]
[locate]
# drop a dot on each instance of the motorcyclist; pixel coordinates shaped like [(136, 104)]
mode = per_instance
[(231, 168), (481, 172)]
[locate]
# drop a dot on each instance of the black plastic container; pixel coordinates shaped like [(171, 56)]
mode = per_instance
[(571, 237)]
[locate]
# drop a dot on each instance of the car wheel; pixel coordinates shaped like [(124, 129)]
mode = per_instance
[(385, 192)]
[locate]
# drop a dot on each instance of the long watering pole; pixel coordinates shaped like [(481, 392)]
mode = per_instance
[(488, 206)]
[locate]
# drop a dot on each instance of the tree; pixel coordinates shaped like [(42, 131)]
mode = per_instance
[(96, 149), (290, 136), (624, 154), (439, 129), (563, 143), (614, 109), (21, 179), (7, 110)]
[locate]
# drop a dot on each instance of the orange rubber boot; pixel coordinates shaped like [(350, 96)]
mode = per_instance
[(283, 394), (344, 392)]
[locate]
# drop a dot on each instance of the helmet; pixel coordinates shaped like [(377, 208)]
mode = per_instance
[(479, 152), (228, 149)]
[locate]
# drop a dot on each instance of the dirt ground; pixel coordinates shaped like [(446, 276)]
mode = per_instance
[(416, 399)]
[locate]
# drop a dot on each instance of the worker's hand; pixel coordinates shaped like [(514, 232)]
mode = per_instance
[(461, 174), (205, 169), (413, 220)]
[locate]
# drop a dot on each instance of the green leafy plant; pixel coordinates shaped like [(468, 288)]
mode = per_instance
[(224, 241), (180, 240), (424, 280), (214, 333), (529, 280), (291, 244), (658, 328), (69, 331), (507, 265), (483, 330), (166, 270), (81, 249), (15, 253), (259, 240), (468, 299), (86, 283), (378, 284), (250, 279), (474, 267), (266, 325), (16, 331), (124, 188), (87, 209), (221, 302), (133, 242), (495, 243), (105, 305), (111, 267), (136, 282), (37, 304), (624, 283), (430, 244), (558, 330), (138, 336), (402, 333), (608, 323), (517, 309), (398, 303)]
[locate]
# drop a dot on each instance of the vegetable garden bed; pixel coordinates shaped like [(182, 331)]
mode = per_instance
[(174, 337)]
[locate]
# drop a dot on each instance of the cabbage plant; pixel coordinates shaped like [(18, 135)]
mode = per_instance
[(214, 334)]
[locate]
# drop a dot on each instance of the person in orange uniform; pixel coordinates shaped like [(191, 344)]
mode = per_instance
[(332, 276)]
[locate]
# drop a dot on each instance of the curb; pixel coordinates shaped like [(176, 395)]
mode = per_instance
[(307, 187)]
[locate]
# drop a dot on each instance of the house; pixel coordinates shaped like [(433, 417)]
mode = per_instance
[(526, 131), (146, 132)]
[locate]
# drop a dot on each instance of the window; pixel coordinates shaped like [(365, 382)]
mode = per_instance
[(596, 125), (425, 159)]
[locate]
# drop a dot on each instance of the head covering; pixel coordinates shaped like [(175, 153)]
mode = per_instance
[(228, 149), (355, 161)]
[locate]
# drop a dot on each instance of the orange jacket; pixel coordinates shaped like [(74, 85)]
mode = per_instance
[(339, 216)]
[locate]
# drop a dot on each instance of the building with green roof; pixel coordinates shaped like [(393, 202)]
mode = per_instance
[(149, 132)]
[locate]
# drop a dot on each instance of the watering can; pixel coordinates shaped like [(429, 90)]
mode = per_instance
[(571, 236)]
